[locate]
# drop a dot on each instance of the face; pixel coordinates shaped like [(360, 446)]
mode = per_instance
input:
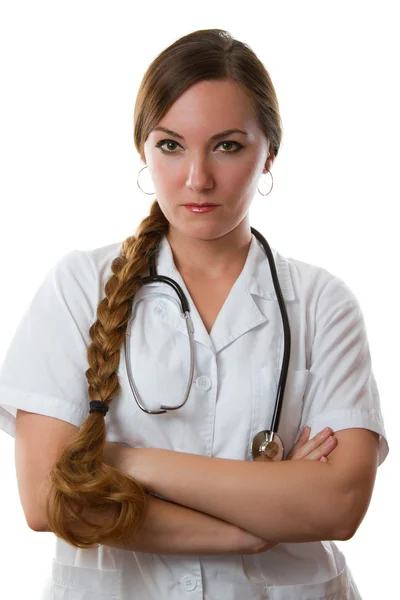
[(195, 168)]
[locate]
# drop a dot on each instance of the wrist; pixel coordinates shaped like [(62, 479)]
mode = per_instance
[(136, 463), (113, 454)]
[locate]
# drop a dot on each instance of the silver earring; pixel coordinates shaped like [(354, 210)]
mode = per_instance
[(271, 186), (137, 181)]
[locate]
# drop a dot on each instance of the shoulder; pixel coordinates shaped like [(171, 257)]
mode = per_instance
[(76, 281), (85, 268), (315, 284), (101, 258)]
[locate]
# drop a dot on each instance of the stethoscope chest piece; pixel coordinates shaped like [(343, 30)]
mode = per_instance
[(267, 446)]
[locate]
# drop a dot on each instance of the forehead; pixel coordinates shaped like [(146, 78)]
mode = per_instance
[(208, 107)]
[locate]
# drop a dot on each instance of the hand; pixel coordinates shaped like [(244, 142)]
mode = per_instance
[(115, 455), (134, 462), (317, 449)]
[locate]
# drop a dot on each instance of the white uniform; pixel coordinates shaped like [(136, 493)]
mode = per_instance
[(237, 366)]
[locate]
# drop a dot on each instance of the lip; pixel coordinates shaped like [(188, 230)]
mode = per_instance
[(199, 205), (200, 208)]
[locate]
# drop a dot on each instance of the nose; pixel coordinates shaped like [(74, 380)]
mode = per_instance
[(199, 175)]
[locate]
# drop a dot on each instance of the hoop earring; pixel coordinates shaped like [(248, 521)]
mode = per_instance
[(137, 181), (271, 186)]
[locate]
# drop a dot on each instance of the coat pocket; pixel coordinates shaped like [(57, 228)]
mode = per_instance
[(340, 587), (82, 583)]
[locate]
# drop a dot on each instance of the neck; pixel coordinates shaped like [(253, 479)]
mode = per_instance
[(211, 258)]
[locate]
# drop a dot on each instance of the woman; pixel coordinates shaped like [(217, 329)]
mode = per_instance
[(160, 505)]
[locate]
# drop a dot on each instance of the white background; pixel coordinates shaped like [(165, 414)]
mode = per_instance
[(70, 72)]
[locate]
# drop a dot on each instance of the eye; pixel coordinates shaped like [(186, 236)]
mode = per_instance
[(163, 142), (238, 146)]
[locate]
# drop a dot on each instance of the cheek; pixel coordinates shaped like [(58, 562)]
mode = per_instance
[(166, 174), (242, 187), (161, 170), (251, 173), (243, 174)]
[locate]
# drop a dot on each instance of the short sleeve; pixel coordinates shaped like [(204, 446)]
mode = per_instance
[(44, 367), (341, 390)]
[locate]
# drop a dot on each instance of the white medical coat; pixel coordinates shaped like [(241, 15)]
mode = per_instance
[(237, 366)]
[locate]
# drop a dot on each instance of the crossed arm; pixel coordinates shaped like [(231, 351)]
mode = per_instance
[(288, 501)]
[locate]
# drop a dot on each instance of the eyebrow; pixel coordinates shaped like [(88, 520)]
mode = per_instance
[(217, 136)]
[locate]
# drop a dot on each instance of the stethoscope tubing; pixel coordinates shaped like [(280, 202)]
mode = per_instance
[(185, 308), (286, 333)]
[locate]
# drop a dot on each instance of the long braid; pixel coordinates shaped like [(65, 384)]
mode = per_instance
[(80, 478)]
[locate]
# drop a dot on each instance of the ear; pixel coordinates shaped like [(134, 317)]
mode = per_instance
[(269, 162)]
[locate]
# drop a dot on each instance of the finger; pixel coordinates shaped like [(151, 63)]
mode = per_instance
[(325, 448), (300, 442), (305, 434), (314, 443), (329, 450)]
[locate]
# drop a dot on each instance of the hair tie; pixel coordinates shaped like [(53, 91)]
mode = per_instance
[(98, 405)]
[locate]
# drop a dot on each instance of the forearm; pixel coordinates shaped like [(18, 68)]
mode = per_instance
[(286, 501), (173, 529)]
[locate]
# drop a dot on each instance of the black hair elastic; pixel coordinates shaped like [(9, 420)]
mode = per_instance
[(98, 405)]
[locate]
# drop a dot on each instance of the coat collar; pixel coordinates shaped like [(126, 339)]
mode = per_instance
[(240, 312), (255, 273)]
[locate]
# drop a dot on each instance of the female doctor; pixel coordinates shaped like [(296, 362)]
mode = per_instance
[(172, 503)]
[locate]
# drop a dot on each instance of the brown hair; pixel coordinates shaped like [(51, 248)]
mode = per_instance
[(80, 475)]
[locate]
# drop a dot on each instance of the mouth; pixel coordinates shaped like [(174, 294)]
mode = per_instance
[(201, 205)]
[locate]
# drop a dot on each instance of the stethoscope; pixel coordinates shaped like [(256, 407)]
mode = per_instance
[(267, 445)]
